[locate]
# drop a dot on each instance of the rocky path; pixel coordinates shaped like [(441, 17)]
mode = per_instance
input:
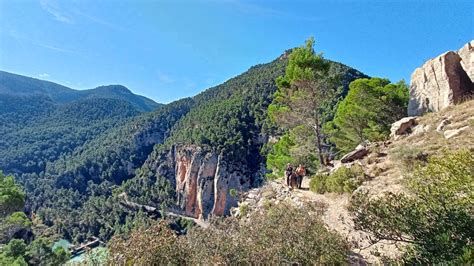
[(199, 222), (336, 217)]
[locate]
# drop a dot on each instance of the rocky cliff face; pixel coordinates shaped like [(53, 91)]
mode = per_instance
[(203, 180), (441, 81), (467, 59)]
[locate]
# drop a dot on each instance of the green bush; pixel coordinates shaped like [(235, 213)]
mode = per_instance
[(233, 193), (435, 217), (244, 210), (281, 234), (342, 180), (279, 156), (408, 158), (12, 198), (318, 183)]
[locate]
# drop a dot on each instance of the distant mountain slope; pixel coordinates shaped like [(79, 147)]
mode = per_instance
[(122, 93), (35, 131), (18, 85)]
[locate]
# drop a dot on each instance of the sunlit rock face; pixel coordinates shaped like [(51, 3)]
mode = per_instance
[(203, 180), (442, 81), (467, 59)]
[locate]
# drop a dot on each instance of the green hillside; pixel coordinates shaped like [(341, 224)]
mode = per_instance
[(36, 131)]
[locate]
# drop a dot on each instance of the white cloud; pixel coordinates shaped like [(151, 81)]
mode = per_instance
[(53, 9), (55, 48), (73, 14), (44, 75), (98, 20), (22, 38)]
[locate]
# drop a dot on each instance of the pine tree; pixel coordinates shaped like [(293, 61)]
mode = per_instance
[(302, 97)]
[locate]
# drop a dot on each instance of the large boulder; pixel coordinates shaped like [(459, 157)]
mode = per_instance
[(454, 132), (359, 153), (402, 126), (441, 81), (443, 124)]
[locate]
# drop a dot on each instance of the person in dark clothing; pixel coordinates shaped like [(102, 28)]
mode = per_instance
[(288, 173)]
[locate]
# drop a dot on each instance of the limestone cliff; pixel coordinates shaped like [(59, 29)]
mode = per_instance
[(441, 81), (203, 179), (467, 59)]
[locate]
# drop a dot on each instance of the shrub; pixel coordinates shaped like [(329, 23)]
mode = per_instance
[(342, 180), (13, 224), (243, 209), (318, 183), (233, 193), (146, 246), (281, 234), (436, 216), (408, 157), (291, 148)]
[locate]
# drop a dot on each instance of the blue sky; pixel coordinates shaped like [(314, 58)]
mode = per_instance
[(167, 50)]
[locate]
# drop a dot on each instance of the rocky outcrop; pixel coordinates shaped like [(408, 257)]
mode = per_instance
[(420, 129), (203, 180), (442, 125), (359, 153), (402, 126), (454, 132), (442, 81), (467, 59), (146, 138)]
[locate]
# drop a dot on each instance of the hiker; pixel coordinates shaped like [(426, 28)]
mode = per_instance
[(300, 173), (288, 173)]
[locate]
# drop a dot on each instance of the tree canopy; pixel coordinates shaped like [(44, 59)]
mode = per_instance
[(12, 198), (367, 112), (303, 93)]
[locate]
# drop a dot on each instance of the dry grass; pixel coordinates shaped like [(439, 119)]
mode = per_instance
[(403, 155), (432, 141)]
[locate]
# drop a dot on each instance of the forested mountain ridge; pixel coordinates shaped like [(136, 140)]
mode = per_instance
[(78, 189), (42, 121), (120, 92), (18, 85)]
